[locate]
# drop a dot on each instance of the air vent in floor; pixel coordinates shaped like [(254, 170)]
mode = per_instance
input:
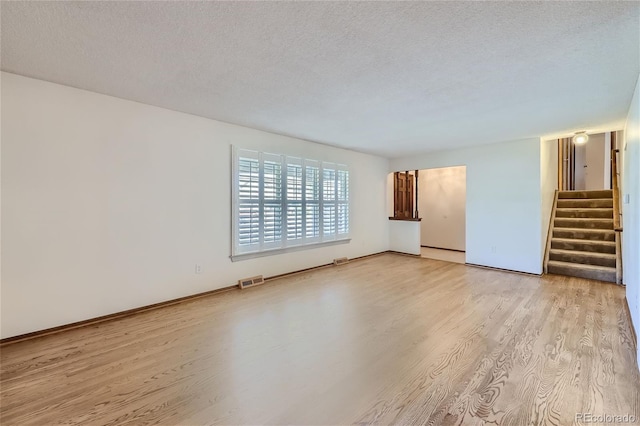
[(251, 282)]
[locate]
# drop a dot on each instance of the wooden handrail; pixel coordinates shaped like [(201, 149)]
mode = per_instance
[(616, 190), (616, 209), (547, 250)]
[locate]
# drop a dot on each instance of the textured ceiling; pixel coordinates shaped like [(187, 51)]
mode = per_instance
[(391, 78)]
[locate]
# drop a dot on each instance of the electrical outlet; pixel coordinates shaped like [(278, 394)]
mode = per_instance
[(627, 198), (493, 249), (198, 269)]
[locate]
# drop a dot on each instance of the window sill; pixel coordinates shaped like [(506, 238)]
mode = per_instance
[(253, 255)]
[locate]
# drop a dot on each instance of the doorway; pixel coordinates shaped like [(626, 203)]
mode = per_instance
[(586, 166), (442, 207)]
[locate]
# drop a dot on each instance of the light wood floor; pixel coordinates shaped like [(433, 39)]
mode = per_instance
[(388, 339), (441, 254)]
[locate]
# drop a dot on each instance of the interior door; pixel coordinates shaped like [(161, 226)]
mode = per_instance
[(580, 167), (595, 175), (585, 167)]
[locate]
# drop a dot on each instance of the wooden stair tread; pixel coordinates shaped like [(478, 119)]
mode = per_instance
[(587, 209), (583, 199), (583, 253), (583, 222), (605, 193), (594, 230), (585, 234), (592, 272), (582, 240), (585, 202), (576, 243), (584, 213), (586, 219), (582, 266)]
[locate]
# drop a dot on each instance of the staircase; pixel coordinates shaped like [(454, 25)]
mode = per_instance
[(583, 241)]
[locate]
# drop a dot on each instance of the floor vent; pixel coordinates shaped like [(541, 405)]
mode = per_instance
[(340, 261), (251, 282)]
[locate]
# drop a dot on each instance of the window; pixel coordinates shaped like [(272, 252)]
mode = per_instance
[(281, 202)]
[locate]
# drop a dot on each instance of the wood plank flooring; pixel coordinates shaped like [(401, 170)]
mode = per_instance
[(442, 254), (386, 340)]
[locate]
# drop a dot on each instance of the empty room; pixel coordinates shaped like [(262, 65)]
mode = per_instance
[(319, 213)]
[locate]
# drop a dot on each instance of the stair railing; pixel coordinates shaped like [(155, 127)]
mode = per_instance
[(552, 219), (617, 213)]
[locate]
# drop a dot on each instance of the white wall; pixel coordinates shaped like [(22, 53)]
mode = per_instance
[(548, 184), (503, 217), (404, 236), (630, 151), (109, 204), (390, 206), (0, 208), (442, 204)]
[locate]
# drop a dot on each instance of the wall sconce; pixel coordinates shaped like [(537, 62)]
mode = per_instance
[(580, 138)]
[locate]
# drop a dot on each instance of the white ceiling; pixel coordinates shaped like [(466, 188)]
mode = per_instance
[(391, 78)]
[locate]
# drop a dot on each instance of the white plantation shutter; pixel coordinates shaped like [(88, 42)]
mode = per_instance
[(342, 201), (273, 211), (295, 224), (312, 200), (281, 202), (329, 201), (248, 193)]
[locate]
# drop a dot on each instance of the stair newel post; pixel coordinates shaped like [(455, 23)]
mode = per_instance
[(416, 186)]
